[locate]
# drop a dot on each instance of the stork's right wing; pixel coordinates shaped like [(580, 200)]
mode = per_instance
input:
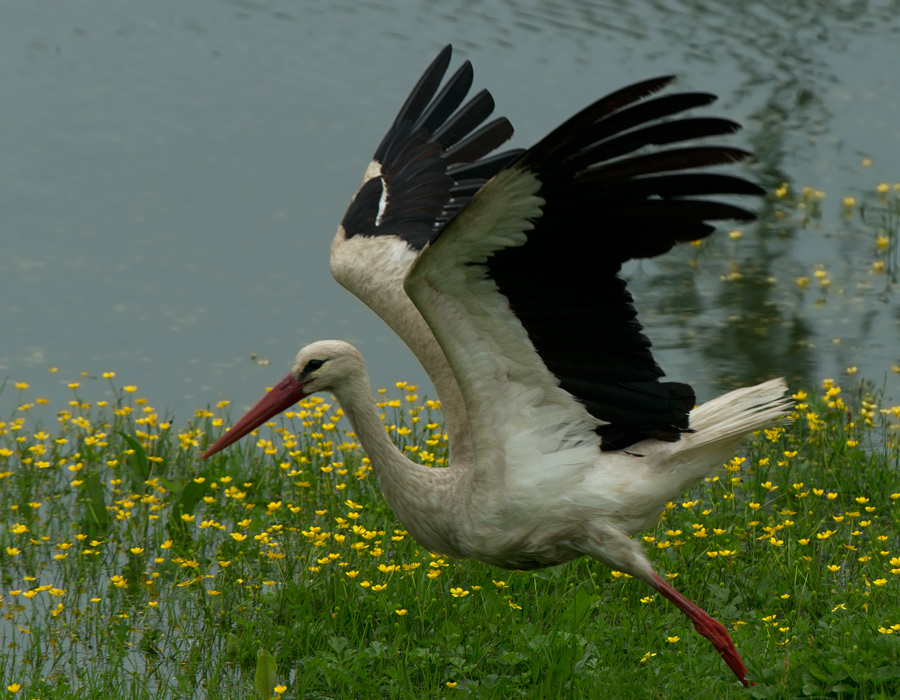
[(522, 290)]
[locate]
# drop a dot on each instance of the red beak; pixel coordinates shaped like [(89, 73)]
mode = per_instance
[(284, 395)]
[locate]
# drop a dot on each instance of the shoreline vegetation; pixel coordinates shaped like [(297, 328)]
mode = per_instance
[(130, 569)]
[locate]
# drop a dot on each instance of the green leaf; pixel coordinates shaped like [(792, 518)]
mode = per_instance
[(884, 673), (140, 466), (581, 608), (95, 520), (265, 674)]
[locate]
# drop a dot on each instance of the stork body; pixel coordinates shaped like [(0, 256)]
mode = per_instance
[(565, 442)]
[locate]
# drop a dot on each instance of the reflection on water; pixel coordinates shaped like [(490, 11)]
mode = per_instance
[(172, 175)]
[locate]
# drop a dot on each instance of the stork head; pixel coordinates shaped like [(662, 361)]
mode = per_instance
[(323, 365), (320, 366)]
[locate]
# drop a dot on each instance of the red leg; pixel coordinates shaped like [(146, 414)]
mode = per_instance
[(710, 628)]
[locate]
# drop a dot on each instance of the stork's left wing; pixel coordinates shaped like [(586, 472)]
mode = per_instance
[(522, 290), (435, 156), (439, 151)]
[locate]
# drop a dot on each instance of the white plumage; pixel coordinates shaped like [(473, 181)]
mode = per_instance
[(500, 272)]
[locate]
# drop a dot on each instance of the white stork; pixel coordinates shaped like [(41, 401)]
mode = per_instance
[(564, 441)]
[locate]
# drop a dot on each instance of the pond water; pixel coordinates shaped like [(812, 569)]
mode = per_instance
[(171, 176)]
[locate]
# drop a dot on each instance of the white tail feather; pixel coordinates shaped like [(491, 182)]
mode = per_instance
[(740, 411), (718, 425)]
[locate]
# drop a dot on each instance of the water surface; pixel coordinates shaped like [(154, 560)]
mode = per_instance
[(171, 176)]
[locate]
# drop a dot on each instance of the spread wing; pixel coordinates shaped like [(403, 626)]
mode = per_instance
[(521, 288), (435, 156)]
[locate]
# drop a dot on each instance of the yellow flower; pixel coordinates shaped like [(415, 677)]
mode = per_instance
[(14, 688), (238, 537), (459, 592), (401, 612), (672, 640)]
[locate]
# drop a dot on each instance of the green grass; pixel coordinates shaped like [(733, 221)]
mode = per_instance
[(130, 569)]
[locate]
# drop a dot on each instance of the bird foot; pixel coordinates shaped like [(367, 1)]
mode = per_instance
[(708, 626)]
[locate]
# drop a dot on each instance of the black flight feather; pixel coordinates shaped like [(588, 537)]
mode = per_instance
[(433, 159)]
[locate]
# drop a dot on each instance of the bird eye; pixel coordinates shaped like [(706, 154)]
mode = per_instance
[(312, 366)]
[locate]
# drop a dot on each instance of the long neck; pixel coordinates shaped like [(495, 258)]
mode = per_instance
[(427, 501), (373, 269)]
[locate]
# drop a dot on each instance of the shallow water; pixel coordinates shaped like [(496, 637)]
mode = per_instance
[(171, 176)]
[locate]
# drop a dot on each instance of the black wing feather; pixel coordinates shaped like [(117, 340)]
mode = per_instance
[(421, 94), (451, 97), (433, 159)]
